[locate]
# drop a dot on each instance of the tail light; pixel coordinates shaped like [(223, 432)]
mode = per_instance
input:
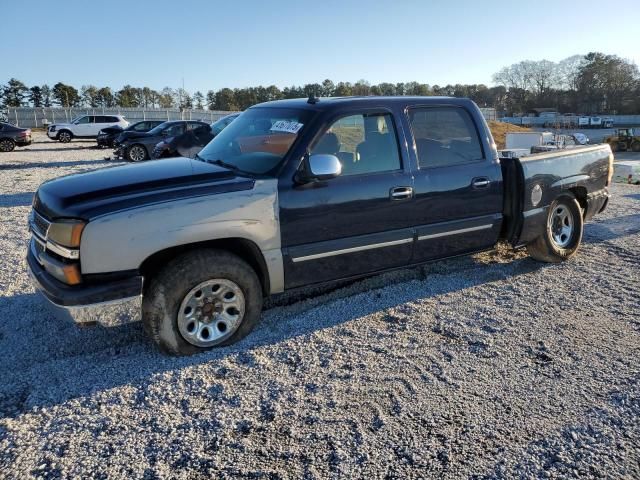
[(610, 176), (26, 133)]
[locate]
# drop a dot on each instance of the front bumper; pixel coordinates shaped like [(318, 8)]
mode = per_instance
[(52, 135), (104, 141), (109, 302), (118, 150)]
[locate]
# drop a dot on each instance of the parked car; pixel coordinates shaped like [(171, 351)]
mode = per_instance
[(10, 136), (107, 136), (138, 146), (297, 193), (84, 126), (192, 141)]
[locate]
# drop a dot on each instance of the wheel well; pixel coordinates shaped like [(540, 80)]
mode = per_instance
[(581, 195), (245, 249)]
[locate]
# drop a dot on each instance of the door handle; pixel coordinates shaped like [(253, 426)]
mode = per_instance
[(401, 193), (480, 182)]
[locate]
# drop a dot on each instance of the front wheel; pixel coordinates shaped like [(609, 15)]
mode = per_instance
[(137, 153), (7, 145), (200, 300), (563, 231), (65, 136)]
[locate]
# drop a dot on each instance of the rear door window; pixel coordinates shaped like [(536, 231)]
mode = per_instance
[(444, 136), (174, 130)]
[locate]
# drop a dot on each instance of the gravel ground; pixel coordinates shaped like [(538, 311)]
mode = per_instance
[(492, 366)]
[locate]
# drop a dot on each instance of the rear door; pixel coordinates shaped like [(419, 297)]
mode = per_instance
[(458, 184), (356, 223)]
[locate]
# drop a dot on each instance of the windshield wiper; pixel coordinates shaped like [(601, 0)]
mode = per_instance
[(224, 164)]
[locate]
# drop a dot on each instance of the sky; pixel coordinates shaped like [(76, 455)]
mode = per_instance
[(215, 44)]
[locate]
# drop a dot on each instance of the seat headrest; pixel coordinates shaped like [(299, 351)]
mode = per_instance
[(328, 144)]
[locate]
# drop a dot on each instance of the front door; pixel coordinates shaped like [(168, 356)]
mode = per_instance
[(458, 186), (84, 126), (358, 222)]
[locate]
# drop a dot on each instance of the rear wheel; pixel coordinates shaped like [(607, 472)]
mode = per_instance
[(563, 231), (65, 136), (137, 153), (200, 300), (7, 145)]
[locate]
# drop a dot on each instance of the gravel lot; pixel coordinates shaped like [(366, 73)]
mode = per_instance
[(492, 366)]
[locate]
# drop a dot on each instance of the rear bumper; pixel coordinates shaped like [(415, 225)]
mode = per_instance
[(23, 142), (104, 141), (109, 302), (597, 202)]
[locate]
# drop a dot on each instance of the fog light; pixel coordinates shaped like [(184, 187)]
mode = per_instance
[(68, 273)]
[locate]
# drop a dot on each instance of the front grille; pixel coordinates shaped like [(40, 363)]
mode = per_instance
[(39, 224)]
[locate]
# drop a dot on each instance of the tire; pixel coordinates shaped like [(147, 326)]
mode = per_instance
[(168, 304), (7, 145), (65, 136), (563, 231), (137, 153), (635, 146)]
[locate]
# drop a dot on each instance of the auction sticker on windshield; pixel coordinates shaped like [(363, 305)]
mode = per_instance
[(286, 126)]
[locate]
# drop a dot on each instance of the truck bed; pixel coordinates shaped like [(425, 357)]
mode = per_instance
[(532, 183)]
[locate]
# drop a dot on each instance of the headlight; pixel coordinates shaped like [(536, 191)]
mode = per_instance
[(66, 232)]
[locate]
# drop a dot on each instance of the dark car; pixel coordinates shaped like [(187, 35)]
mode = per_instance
[(107, 136), (192, 141), (10, 136), (138, 146)]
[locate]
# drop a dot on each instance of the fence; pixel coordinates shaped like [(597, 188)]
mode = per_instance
[(489, 113), (30, 117), (618, 120)]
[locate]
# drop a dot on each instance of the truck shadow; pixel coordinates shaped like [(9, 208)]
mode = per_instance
[(29, 165), (23, 199), (48, 361), (601, 231), (54, 149)]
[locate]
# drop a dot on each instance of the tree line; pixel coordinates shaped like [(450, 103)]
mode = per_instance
[(593, 83)]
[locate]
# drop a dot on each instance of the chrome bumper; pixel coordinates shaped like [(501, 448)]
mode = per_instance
[(108, 314)]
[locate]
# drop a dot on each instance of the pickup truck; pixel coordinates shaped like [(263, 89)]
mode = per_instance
[(296, 193)]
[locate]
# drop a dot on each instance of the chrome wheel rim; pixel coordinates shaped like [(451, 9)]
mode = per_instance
[(5, 145), (561, 226), (136, 154), (65, 137), (211, 312)]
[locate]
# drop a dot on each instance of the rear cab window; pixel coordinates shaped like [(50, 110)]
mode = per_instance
[(444, 136), (365, 143)]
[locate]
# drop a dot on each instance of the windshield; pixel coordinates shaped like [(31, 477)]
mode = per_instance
[(256, 141), (158, 130)]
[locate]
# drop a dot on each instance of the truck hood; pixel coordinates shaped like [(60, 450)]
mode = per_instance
[(91, 194)]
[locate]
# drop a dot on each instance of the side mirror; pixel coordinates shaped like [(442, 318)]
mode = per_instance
[(323, 166)]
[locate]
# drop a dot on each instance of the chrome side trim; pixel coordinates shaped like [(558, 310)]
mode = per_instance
[(71, 253), (351, 250), (455, 232)]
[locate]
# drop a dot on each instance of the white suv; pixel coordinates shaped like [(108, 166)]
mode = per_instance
[(85, 126)]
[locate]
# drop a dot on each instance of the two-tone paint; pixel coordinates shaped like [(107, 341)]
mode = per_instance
[(321, 231)]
